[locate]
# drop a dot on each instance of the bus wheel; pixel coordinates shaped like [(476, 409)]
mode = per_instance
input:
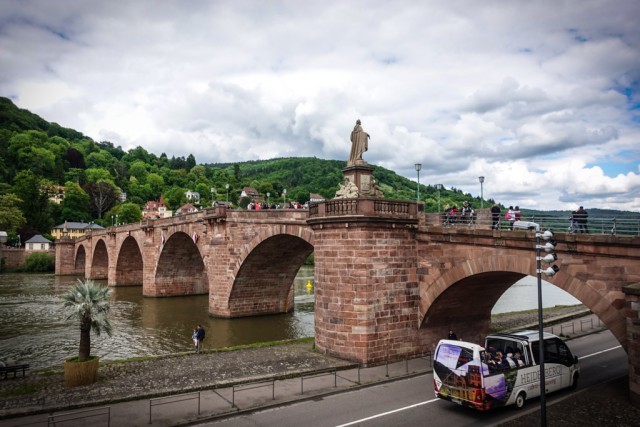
[(574, 385), (520, 399)]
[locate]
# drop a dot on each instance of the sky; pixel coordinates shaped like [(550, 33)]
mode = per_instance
[(539, 97)]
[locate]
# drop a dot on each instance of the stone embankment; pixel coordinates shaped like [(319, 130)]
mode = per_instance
[(159, 376)]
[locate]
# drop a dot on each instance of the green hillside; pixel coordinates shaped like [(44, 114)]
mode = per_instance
[(38, 157)]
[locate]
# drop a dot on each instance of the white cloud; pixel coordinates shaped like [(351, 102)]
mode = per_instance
[(539, 97)]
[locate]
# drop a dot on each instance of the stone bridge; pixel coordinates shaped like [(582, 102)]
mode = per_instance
[(387, 284)]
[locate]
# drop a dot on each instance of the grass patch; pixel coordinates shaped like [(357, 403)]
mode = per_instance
[(21, 390)]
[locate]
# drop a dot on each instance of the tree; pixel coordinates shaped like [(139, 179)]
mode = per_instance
[(35, 202), (75, 206), (129, 213), (156, 182), (89, 303), (191, 162), (102, 196), (11, 217)]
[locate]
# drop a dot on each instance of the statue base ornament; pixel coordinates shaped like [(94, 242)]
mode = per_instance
[(359, 182)]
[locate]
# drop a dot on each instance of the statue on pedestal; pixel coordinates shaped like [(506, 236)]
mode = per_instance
[(359, 144)]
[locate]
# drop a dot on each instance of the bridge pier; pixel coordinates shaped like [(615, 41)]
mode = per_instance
[(632, 296), (367, 292)]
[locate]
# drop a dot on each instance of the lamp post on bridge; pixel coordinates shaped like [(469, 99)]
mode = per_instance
[(549, 258), (481, 179), (284, 198), (213, 190), (439, 187), (112, 220), (268, 195), (227, 187), (418, 167)]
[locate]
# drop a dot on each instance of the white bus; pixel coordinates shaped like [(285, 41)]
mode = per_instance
[(505, 371)]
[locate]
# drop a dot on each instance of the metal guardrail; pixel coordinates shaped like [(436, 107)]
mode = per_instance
[(251, 386), (319, 374), (173, 399), (58, 419), (627, 226)]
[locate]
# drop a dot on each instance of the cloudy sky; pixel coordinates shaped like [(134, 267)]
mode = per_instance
[(540, 97)]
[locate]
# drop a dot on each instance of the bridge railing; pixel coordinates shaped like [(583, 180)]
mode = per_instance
[(364, 207), (624, 226)]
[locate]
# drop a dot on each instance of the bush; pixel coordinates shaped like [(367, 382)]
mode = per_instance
[(39, 262)]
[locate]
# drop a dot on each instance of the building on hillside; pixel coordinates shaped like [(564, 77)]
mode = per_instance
[(252, 194), (192, 196), (156, 210), (73, 229), (123, 195), (315, 198), (186, 208), (37, 243), (56, 193)]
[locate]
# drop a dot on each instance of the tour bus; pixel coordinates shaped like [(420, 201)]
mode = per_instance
[(505, 371)]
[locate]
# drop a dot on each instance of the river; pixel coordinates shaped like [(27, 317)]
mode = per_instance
[(34, 329)]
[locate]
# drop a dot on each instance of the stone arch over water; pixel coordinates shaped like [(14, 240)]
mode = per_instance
[(180, 269), (129, 264)]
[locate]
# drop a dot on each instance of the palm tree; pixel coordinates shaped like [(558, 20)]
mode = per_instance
[(89, 302)]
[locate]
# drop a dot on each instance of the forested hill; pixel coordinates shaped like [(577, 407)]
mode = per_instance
[(38, 157)]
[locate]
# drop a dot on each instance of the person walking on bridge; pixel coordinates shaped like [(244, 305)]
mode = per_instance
[(581, 218)]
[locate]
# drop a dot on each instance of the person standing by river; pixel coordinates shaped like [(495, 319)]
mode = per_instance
[(200, 336), (194, 337)]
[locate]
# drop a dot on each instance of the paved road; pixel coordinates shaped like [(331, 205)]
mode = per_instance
[(410, 402)]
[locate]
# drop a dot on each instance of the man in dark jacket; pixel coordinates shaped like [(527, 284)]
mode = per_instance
[(200, 336), (581, 218)]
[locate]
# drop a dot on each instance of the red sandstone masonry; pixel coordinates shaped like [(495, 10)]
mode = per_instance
[(384, 288)]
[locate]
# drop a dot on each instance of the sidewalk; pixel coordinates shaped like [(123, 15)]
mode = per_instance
[(230, 382)]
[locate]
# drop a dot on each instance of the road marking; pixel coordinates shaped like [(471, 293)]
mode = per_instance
[(387, 413), (435, 400), (600, 352)]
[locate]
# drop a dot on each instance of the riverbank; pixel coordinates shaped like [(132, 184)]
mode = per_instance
[(44, 391)]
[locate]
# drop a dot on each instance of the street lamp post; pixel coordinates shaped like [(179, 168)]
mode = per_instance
[(439, 187), (227, 187), (112, 220), (213, 190), (284, 198), (549, 258), (481, 179), (116, 220), (418, 167), (268, 195)]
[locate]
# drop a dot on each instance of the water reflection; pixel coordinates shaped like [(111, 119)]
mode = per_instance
[(33, 327)]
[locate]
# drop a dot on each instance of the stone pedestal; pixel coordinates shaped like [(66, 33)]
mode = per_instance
[(65, 257), (361, 176)]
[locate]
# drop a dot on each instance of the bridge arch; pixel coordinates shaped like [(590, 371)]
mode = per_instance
[(265, 271), (100, 261), (80, 260), (180, 269), (129, 263), (462, 297)]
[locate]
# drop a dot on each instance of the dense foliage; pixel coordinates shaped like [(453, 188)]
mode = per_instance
[(39, 262)]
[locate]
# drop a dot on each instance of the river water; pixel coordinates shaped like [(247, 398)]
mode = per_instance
[(34, 329)]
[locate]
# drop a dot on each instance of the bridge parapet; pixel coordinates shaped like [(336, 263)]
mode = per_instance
[(396, 209)]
